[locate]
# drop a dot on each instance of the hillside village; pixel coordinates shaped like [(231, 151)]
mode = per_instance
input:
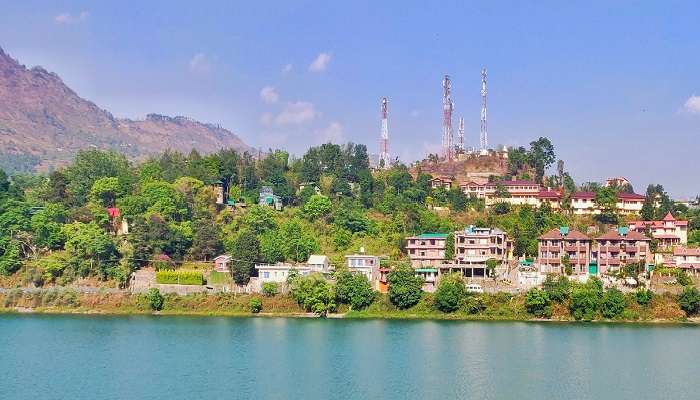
[(329, 223)]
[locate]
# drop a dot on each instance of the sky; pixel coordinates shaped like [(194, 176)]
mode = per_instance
[(614, 85)]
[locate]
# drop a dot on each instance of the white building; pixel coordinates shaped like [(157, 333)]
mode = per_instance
[(319, 263), (279, 272), (364, 264)]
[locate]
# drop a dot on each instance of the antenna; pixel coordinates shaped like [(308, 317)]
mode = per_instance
[(384, 159), (461, 134), (483, 137), (447, 107)]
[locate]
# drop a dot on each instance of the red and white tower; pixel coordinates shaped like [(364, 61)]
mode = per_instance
[(384, 159), (447, 107), (460, 129)]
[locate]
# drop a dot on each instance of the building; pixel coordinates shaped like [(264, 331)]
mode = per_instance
[(620, 247), (444, 182), (319, 263), (269, 199), (554, 246), (279, 272), (473, 246), (551, 198), (669, 232), (222, 263), (520, 192), (427, 249), (686, 258), (364, 264), (619, 181), (584, 203), (630, 203)]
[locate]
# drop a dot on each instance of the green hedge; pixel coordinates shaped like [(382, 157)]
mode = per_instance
[(182, 277)]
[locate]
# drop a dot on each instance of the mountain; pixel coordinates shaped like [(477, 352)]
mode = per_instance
[(43, 123)]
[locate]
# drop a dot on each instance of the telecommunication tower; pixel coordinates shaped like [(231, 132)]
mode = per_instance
[(483, 137), (384, 139), (460, 128), (447, 107)]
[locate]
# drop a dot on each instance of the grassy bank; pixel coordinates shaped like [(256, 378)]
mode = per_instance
[(487, 307)]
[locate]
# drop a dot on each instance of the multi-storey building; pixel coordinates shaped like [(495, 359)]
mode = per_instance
[(669, 231), (556, 245), (584, 203), (620, 247), (630, 203), (551, 198), (686, 258), (364, 264), (520, 192), (427, 249), (473, 246), (444, 182)]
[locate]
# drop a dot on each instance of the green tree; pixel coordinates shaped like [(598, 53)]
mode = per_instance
[(557, 288), (644, 297), (245, 252), (353, 289), (11, 257), (405, 289), (104, 191), (450, 293), (260, 219), (317, 206), (541, 156), (270, 289), (491, 265), (586, 300), (91, 251), (689, 300), (207, 242), (450, 246), (313, 293), (91, 165), (613, 304), (155, 299), (538, 303)]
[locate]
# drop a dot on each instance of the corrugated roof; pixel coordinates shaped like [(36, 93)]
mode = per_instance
[(432, 236)]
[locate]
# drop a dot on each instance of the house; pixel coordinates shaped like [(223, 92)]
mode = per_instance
[(383, 281), (686, 258), (583, 203), (364, 264), (279, 272), (441, 182), (555, 245), (427, 249), (669, 231), (619, 181), (620, 247), (222, 263), (630, 203), (473, 246), (318, 263), (520, 192), (429, 276), (269, 199), (119, 225), (550, 197)]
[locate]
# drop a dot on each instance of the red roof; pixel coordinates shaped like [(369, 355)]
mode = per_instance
[(615, 235), (518, 182), (669, 217), (583, 195), (555, 234), (549, 194), (630, 196), (686, 251), (113, 212)]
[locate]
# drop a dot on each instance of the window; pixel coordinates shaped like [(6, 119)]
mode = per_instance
[(266, 275)]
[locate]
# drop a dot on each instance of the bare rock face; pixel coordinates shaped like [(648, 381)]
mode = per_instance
[(43, 123)]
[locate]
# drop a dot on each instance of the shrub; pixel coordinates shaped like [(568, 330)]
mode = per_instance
[(585, 301), (537, 303), (404, 287), (314, 293), (269, 289), (155, 299), (255, 305), (180, 277), (689, 300), (450, 293), (557, 288), (682, 278), (613, 304), (475, 304), (644, 297), (353, 289)]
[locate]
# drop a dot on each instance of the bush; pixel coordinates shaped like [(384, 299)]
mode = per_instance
[(585, 300), (269, 289), (314, 293), (682, 278), (255, 305), (613, 304), (404, 287), (450, 293), (155, 299), (689, 300), (475, 304), (353, 289), (644, 297), (180, 277), (537, 303), (557, 289)]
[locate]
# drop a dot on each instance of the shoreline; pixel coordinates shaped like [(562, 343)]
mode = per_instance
[(342, 316)]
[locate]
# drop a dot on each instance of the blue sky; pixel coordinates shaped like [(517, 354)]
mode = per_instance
[(611, 83)]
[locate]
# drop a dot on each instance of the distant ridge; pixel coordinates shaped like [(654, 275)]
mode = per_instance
[(43, 123)]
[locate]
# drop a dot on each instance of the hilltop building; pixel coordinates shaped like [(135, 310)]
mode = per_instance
[(669, 231)]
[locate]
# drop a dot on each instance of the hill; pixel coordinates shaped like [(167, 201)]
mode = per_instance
[(43, 123)]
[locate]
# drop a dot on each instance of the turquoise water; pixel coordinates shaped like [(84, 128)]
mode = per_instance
[(86, 357)]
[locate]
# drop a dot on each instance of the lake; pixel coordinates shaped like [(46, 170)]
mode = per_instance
[(144, 357)]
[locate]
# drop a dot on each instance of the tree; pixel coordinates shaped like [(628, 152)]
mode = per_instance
[(538, 303), (613, 304), (155, 299), (11, 258), (491, 265), (450, 293), (557, 288), (270, 289), (317, 206), (91, 165), (104, 191), (91, 251), (260, 219), (207, 240), (566, 263), (450, 246), (501, 208), (245, 253), (353, 289), (541, 156), (644, 297), (313, 293), (586, 299), (404, 287), (689, 300)]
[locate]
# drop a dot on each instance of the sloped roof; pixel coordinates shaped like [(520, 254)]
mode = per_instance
[(614, 234), (686, 251), (556, 234), (630, 196), (583, 195), (669, 217)]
